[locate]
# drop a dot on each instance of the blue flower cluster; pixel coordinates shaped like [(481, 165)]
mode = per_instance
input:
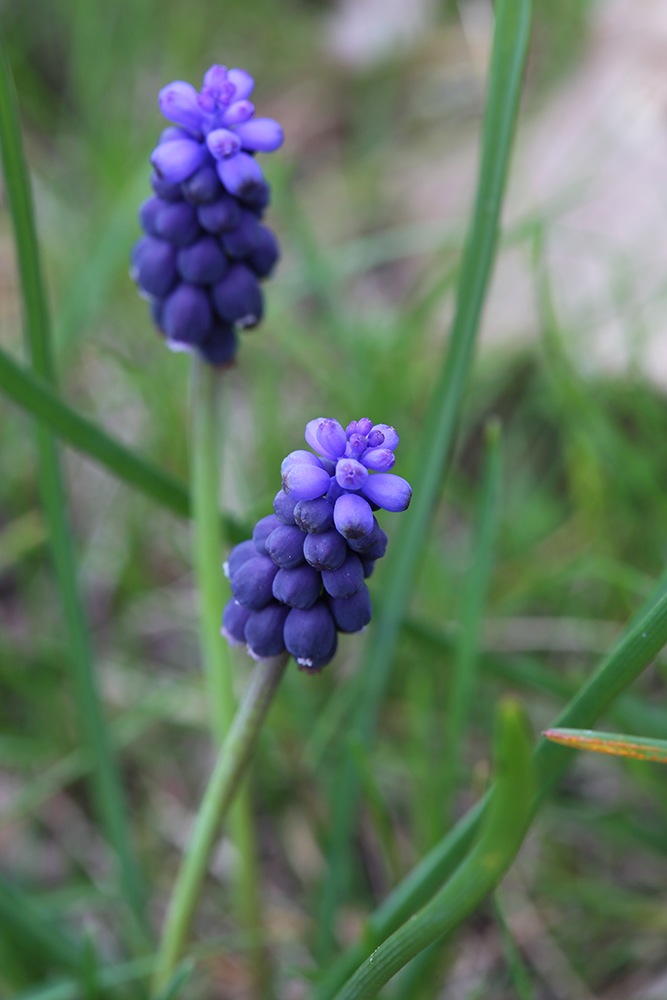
[(205, 248), (300, 579)]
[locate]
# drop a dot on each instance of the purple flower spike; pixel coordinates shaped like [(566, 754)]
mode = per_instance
[(176, 161), (388, 491), (320, 545), (210, 198)]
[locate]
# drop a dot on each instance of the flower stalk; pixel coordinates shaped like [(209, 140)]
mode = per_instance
[(229, 769)]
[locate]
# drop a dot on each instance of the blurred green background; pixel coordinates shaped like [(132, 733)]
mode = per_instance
[(371, 195)]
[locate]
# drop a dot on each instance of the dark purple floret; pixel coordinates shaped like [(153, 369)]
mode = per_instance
[(347, 579), (262, 530), (264, 630), (220, 215), (219, 345), (351, 613), (210, 194), (240, 554), (176, 221), (234, 620), (203, 263), (187, 315), (299, 587), (314, 515), (310, 636), (284, 506), (325, 551), (285, 546), (154, 266), (237, 296), (253, 581), (203, 186)]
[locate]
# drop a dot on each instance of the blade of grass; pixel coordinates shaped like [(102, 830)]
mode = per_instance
[(25, 926), (508, 56), (506, 823), (465, 662), (36, 397), (637, 646), (615, 744), (105, 784)]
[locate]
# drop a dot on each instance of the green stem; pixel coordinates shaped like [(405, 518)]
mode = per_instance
[(209, 545), (106, 788), (231, 764), (212, 591)]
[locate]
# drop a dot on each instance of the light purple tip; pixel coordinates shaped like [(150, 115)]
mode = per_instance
[(237, 113), (239, 172), (390, 437), (353, 516), (243, 83), (223, 143), (350, 474), (388, 491), (261, 134), (178, 103), (379, 459), (305, 482), (176, 161), (299, 457)]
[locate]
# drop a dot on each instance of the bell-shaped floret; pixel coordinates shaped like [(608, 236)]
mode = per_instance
[(352, 613), (253, 581), (187, 315), (283, 506), (264, 630), (203, 262), (353, 516), (304, 481), (234, 619), (262, 530), (299, 587), (154, 266), (177, 160), (347, 579), (314, 515), (310, 636), (285, 545), (388, 491), (326, 550)]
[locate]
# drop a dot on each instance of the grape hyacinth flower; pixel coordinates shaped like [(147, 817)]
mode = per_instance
[(205, 249), (301, 578)]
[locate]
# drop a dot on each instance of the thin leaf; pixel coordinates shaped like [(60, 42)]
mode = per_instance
[(440, 421), (616, 744)]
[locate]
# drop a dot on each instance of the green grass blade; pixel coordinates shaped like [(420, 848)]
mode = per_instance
[(37, 398), (508, 58), (30, 933), (507, 821), (465, 662), (105, 785), (639, 643)]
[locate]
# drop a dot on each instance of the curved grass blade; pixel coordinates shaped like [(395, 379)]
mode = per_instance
[(106, 787), (615, 744), (507, 63), (637, 646), (508, 819)]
